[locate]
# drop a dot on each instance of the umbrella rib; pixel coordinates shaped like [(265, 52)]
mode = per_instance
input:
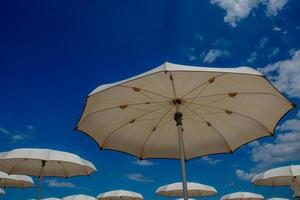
[(201, 85), (239, 93), (241, 114), (123, 125), (173, 85), (66, 173), (151, 132), (115, 107), (194, 98), (15, 166), (151, 92), (219, 133), (215, 101)]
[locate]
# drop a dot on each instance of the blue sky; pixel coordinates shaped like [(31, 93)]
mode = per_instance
[(53, 53)]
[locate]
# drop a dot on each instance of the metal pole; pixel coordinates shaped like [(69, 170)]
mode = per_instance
[(38, 195), (178, 119)]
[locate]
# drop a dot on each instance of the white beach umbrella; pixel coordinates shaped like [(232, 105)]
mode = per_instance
[(277, 198), (79, 197), (2, 191), (120, 194), (44, 162), (242, 196), (213, 110), (281, 176), (194, 190), (16, 181)]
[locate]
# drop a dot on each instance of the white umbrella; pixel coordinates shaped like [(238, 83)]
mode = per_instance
[(44, 162), (79, 197), (242, 195), (219, 110), (194, 190), (2, 191), (120, 194), (277, 198), (17, 181), (281, 176)]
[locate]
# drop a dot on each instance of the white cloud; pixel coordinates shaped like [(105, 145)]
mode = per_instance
[(244, 175), (209, 160), (30, 127), (59, 184), (236, 9), (274, 51), (285, 149), (252, 58), (276, 29), (274, 6), (17, 138), (240, 9), (213, 54), (143, 162), (285, 74), (138, 177), (5, 131), (262, 42)]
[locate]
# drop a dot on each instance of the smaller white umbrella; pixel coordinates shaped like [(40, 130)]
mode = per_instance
[(183, 199), (242, 195), (277, 198), (16, 181), (44, 162), (194, 190), (280, 176), (79, 197), (120, 194), (2, 191)]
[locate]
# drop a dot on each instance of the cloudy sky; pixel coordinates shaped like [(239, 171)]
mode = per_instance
[(53, 53)]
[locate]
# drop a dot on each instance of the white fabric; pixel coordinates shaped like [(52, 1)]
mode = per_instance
[(18, 181), (281, 176), (79, 197), (2, 191), (194, 190), (223, 108), (120, 194), (58, 163), (242, 195)]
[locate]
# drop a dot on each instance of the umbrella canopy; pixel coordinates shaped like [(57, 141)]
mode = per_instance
[(277, 198), (194, 190), (79, 197), (242, 195), (17, 181), (120, 194), (44, 162), (2, 191), (281, 176), (218, 109)]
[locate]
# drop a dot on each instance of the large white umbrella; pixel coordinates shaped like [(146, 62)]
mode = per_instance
[(213, 110), (242, 196), (79, 197), (2, 191), (194, 190), (13, 180), (120, 194), (44, 162)]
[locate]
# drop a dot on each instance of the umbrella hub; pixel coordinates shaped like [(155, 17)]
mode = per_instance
[(178, 114)]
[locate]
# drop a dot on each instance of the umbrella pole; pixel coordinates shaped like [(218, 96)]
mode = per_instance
[(178, 119), (38, 195)]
